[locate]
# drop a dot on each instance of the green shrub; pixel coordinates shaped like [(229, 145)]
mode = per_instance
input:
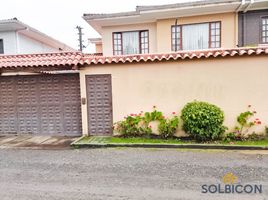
[(266, 131), (153, 116), (203, 121), (130, 127), (137, 125), (232, 136), (167, 127), (255, 137)]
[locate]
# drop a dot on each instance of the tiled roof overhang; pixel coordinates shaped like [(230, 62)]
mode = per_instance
[(62, 60), (181, 55), (74, 60)]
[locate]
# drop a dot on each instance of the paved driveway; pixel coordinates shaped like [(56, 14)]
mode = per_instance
[(125, 173), (35, 142)]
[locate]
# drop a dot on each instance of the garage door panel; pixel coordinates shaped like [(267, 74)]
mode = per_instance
[(8, 119), (37, 104), (7, 91)]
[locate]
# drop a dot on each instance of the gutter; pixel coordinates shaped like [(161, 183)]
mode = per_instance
[(243, 2), (248, 6)]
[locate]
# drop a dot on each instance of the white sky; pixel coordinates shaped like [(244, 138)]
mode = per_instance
[(58, 18)]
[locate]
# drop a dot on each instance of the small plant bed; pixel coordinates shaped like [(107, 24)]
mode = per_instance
[(96, 141), (134, 140), (201, 123), (146, 141)]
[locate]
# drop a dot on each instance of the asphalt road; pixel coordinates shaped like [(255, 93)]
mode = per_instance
[(126, 174)]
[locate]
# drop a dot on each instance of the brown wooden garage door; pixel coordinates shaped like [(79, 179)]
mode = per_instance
[(99, 95), (40, 104)]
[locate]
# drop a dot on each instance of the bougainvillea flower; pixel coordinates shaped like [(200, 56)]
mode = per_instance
[(174, 113)]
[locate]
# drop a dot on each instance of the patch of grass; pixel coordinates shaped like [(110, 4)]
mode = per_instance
[(140, 140), (253, 143), (144, 140)]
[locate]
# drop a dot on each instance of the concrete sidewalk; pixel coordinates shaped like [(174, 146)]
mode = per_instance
[(35, 142)]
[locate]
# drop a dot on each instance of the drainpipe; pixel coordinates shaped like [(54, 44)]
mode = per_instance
[(243, 2), (244, 24), (243, 29)]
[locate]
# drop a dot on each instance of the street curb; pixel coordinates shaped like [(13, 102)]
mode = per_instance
[(172, 146)]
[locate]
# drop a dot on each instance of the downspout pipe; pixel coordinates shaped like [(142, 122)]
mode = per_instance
[(238, 9)]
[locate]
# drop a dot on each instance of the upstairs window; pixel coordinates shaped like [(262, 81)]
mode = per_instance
[(196, 36), (176, 38), (133, 42), (215, 35), (264, 30), (1, 46)]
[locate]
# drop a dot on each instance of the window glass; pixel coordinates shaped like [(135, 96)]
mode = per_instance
[(264, 34), (134, 42), (195, 36), (1, 46)]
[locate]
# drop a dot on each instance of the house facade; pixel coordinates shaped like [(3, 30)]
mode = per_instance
[(19, 38), (184, 26), (163, 56)]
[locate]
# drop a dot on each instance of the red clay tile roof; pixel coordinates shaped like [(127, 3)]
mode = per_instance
[(180, 55), (72, 59), (41, 60)]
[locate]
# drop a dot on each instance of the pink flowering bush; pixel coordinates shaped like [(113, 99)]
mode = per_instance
[(137, 125), (245, 122)]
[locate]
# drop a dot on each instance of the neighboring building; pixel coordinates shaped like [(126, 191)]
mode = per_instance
[(183, 26), (19, 38), (98, 44), (253, 27)]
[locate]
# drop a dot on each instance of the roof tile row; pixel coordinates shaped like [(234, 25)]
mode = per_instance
[(72, 59)]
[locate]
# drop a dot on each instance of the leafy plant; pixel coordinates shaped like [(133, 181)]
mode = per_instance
[(153, 116), (203, 121), (137, 125), (245, 122), (229, 137), (255, 137), (130, 126), (168, 127), (266, 131)]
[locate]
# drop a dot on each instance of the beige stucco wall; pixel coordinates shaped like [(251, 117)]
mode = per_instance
[(230, 83), (160, 32), (228, 29), (107, 36)]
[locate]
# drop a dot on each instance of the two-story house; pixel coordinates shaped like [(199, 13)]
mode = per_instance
[(183, 26), (19, 38), (149, 39)]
